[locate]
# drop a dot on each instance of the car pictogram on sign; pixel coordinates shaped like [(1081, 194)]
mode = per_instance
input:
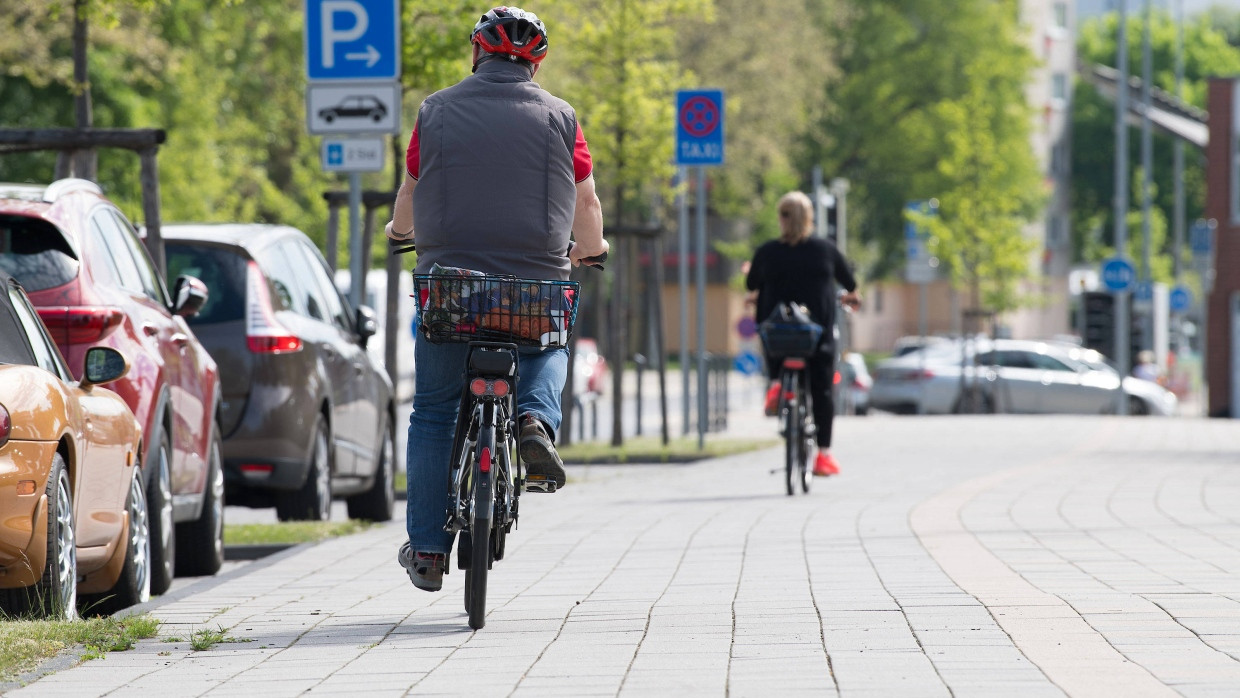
[(355, 107)]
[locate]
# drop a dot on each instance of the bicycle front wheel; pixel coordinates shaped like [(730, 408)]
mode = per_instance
[(806, 407), (792, 430), (480, 521)]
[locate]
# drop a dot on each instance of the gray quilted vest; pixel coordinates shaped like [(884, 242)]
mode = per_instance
[(496, 190)]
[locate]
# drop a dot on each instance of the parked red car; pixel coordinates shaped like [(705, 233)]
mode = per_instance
[(93, 283)]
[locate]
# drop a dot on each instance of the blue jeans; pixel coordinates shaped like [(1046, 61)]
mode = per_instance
[(438, 381)]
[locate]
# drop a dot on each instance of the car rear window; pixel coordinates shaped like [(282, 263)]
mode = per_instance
[(34, 252), (221, 269)]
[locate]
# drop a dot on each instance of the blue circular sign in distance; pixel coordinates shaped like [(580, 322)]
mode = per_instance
[(1118, 274), (747, 327), (699, 116), (1181, 298)]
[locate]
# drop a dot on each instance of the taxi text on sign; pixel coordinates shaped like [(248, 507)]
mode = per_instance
[(699, 127)]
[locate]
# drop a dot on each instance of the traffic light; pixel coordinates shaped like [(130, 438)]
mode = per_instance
[(1099, 325)]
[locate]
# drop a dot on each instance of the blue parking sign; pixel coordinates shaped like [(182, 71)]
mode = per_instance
[(352, 39), (699, 127)]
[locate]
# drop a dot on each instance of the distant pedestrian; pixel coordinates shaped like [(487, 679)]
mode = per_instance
[(801, 269), (1146, 367)]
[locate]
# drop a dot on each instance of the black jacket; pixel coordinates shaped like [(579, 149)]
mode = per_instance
[(805, 273)]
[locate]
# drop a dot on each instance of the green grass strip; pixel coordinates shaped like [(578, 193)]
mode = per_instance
[(650, 449), (24, 644), (290, 532)]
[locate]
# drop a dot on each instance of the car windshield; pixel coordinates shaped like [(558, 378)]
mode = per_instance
[(35, 253), (222, 270)]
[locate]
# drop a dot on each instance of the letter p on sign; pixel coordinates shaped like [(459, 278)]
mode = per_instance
[(333, 35)]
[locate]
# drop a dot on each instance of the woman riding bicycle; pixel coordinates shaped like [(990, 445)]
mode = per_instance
[(499, 180), (801, 269)]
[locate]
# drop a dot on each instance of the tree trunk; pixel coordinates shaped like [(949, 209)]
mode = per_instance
[(85, 162)]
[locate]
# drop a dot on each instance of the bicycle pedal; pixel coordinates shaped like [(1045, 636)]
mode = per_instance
[(535, 483)]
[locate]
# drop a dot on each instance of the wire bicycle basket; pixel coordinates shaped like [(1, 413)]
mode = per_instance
[(462, 305)]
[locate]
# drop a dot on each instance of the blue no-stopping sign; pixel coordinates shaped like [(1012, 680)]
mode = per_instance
[(1181, 298), (699, 127)]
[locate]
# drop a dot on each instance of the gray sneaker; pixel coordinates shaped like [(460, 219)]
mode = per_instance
[(425, 569), (541, 459)]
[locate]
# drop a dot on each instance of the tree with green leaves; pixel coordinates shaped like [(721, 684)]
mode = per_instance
[(1206, 53), (901, 65)]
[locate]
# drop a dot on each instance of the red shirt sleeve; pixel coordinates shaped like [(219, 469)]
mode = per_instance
[(582, 164), (412, 155)]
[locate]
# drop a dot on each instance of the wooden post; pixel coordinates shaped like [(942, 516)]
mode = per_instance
[(149, 176)]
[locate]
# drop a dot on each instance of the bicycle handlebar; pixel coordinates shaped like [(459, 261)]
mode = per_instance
[(402, 246)]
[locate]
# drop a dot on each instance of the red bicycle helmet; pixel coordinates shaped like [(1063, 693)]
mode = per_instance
[(511, 31)]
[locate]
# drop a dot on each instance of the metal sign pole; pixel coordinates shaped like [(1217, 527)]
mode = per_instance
[(682, 202), (1123, 335), (357, 275), (701, 307)]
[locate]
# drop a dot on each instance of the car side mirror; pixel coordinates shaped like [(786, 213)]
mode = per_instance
[(103, 365), (189, 294), (367, 324)]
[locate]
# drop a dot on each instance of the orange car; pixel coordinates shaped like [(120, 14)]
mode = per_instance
[(73, 515)]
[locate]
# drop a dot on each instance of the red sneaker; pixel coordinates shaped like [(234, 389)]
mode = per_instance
[(772, 400), (825, 465)]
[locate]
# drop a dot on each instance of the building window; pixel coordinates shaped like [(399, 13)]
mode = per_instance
[(1060, 12), (1059, 88)]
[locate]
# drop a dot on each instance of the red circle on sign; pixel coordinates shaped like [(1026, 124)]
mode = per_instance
[(699, 116)]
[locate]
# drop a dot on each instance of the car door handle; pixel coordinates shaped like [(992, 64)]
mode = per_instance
[(150, 329), (180, 339)]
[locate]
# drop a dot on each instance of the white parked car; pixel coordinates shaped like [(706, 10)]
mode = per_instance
[(1021, 376)]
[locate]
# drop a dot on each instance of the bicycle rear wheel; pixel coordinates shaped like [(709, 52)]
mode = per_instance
[(792, 430), (480, 529)]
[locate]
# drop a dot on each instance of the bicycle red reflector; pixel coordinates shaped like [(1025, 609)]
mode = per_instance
[(499, 387), (478, 386), (481, 386), (794, 363), (837, 378), (484, 462)]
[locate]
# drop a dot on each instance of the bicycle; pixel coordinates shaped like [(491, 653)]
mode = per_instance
[(494, 315), (791, 338)]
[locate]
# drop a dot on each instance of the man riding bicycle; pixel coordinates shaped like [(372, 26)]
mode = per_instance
[(801, 269), (499, 180)]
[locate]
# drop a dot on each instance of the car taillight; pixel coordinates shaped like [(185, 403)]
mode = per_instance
[(263, 334), (6, 425), (81, 324), (921, 374)]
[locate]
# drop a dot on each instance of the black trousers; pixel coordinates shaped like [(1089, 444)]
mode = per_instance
[(821, 370)]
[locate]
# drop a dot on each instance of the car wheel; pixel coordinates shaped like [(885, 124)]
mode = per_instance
[(200, 543), (1137, 407), (376, 503), (55, 594), (134, 585), (376, 117), (313, 501), (159, 507), (329, 118)]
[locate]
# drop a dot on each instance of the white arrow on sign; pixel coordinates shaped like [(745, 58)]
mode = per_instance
[(371, 55)]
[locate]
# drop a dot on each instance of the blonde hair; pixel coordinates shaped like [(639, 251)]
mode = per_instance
[(796, 217)]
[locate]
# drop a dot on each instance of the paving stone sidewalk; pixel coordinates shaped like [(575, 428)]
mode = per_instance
[(955, 556)]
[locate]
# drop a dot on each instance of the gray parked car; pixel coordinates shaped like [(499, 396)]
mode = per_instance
[(1010, 375), (307, 414)]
